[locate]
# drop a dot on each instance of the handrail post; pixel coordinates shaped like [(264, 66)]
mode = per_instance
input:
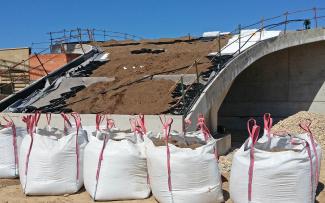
[(197, 72), (64, 36), (93, 34), (219, 45), (285, 22), (239, 37), (11, 80), (183, 91), (315, 16), (262, 27), (80, 40), (51, 41), (104, 35)]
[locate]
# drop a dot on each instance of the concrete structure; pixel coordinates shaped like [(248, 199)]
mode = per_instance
[(50, 62), (281, 83), (304, 90)]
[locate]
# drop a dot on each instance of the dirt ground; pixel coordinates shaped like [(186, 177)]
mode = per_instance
[(10, 192), (175, 56)]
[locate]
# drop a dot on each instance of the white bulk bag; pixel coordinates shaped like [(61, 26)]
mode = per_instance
[(10, 140), (115, 166), (179, 175), (308, 136), (277, 171), (51, 160)]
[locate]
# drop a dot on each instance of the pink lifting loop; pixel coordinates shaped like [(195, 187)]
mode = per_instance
[(30, 122), (253, 131), (142, 124), (205, 130), (167, 127), (136, 128), (306, 127), (101, 157), (37, 117), (77, 119), (99, 120), (65, 122), (268, 123)]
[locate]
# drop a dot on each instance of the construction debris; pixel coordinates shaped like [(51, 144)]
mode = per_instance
[(147, 51)]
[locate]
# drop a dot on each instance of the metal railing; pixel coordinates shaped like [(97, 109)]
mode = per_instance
[(309, 16)]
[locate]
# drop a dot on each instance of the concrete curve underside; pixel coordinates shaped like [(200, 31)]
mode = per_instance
[(213, 95)]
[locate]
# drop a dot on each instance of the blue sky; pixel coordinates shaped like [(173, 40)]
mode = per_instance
[(23, 22)]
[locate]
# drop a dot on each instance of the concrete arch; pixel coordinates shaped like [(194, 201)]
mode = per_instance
[(213, 95)]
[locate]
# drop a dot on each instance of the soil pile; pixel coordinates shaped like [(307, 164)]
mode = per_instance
[(147, 97), (178, 55), (291, 125)]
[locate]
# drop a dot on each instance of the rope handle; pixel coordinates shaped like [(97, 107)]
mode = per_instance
[(135, 127), (99, 120), (141, 123), (26, 119), (166, 127), (9, 121), (66, 122), (305, 125), (138, 125), (202, 126), (101, 157), (268, 123), (37, 116), (77, 119), (110, 123), (253, 131)]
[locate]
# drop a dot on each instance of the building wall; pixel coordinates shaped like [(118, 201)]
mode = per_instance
[(10, 57), (50, 62), (281, 83)]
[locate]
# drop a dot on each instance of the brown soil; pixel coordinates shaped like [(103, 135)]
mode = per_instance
[(149, 97), (162, 142)]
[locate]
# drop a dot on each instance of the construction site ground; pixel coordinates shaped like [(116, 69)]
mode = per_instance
[(10, 189), (130, 61)]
